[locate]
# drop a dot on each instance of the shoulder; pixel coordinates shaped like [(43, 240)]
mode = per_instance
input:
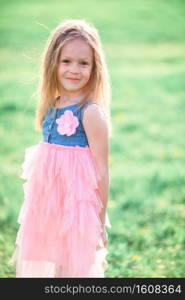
[(96, 129), (94, 118), (94, 111)]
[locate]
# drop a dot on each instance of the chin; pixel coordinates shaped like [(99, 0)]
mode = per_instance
[(67, 88), (72, 88)]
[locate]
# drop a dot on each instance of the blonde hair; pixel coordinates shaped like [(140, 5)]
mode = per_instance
[(98, 87)]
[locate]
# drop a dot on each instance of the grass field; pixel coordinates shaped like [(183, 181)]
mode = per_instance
[(144, 43)]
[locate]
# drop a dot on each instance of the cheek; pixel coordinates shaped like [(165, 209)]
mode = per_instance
[(58, 71), (87, 73), (61, 70)]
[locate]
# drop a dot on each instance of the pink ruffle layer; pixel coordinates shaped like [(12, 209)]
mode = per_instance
[(60, 232)]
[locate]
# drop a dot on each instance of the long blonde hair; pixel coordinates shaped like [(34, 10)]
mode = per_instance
[(98, 87)]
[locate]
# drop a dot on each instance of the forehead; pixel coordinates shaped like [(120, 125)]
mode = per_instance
[(77, 49)]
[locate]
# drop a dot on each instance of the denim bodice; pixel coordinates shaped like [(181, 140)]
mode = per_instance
[(64, 126)]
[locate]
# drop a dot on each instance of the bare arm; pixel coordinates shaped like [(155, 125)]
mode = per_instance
[(96, 128)]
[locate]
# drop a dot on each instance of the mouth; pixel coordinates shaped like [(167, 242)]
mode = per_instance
[(73, 79)]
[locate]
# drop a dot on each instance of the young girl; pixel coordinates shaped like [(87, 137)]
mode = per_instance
[(63, 218)]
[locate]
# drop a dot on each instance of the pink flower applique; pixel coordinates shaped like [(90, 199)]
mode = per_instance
[(67, 123)]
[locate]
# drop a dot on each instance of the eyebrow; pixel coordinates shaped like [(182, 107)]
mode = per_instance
[(82, 58)]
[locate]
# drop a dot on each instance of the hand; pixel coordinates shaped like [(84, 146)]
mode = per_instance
[(105, 237)]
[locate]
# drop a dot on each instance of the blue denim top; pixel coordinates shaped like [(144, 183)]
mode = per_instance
[(53, 136)]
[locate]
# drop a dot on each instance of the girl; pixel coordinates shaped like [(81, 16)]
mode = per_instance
[(63, 218)]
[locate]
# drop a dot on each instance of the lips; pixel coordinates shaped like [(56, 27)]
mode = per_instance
[(74, 79)]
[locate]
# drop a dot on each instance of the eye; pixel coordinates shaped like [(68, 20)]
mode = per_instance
[(84, 63), (65, 60)]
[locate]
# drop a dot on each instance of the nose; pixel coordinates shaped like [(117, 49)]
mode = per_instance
[(74, 68)]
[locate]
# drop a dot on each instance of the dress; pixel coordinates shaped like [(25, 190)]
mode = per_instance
[(60, 232)]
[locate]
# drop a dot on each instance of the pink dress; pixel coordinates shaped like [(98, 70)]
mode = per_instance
[(60, 232)]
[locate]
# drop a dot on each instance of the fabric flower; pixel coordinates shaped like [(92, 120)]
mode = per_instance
[(67, 123)]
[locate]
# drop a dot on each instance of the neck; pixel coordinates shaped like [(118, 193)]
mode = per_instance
[(71, 98)]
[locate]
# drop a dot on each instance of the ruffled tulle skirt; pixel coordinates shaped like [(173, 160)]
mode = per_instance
[(60, 232)]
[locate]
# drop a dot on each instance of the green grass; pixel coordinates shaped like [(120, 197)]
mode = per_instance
[(145, 51)]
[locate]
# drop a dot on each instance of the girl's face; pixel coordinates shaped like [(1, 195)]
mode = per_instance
[(74, 66)]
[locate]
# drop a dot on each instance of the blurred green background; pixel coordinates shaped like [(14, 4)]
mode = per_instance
[(144, 44)]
